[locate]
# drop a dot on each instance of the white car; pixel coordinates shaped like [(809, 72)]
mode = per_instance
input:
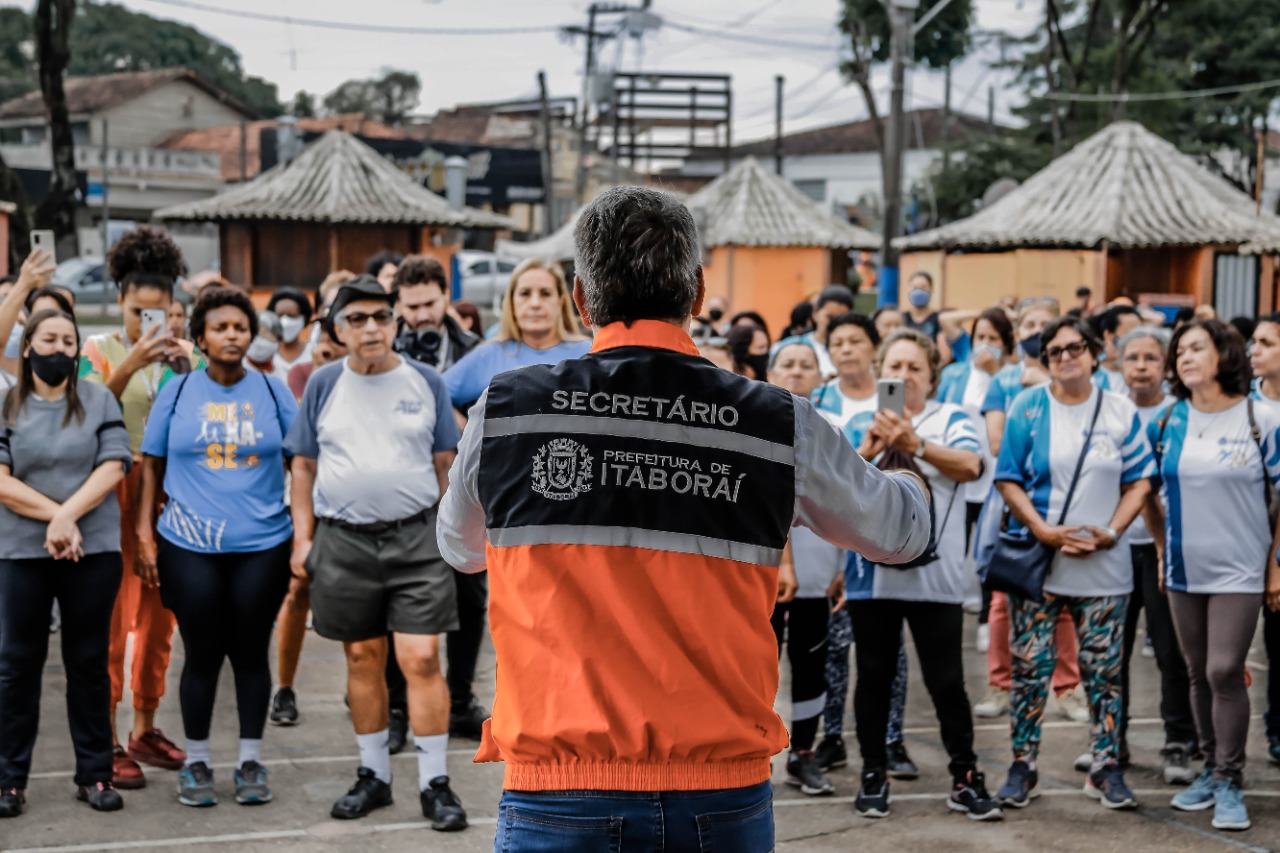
[(484, 278)]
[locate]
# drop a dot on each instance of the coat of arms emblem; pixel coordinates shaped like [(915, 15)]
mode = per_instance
[(562, 470)]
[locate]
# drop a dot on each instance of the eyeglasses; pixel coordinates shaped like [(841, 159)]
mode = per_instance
[(359, 319), (1072, 350)]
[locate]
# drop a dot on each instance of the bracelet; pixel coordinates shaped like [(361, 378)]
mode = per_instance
[(1115, 537), (919, 454)]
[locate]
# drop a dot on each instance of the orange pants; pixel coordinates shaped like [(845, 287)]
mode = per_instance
[(1000, 661), (138, 611)]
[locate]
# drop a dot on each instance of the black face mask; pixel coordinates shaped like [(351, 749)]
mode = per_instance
[(54, 368), (759, 364), (1031, 346), (716, 314), (421, 346)]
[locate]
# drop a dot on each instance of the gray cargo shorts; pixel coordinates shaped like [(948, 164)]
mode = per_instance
[(366, 582)]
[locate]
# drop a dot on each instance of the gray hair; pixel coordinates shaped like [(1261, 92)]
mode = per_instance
[(1159, 335), (638, 257)]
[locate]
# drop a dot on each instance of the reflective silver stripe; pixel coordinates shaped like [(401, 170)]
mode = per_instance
[(634, 537), (713, 439)]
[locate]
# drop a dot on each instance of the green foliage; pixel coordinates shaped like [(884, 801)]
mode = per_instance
[(944, 40), (107, 37), (390, 98), (303, 105)]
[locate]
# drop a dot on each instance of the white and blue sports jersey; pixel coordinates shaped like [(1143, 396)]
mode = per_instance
[(1256, 394), (839, 408), (1217, 533), (1137, 534), (968, 387), (1007, 384), (1042, 443), (943, 580)]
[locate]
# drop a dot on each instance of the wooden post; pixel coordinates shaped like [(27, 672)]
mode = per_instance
[(334, 263)]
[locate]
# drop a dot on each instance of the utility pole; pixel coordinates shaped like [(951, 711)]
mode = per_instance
[(946, 123), (779, 82), (549, 219), (901, 15), (580, 179), (106, 219)]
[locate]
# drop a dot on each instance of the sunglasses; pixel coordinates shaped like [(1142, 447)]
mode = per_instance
[(359, 319), (1072, 350)]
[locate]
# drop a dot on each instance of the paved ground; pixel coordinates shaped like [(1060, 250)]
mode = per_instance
[(314, 763)]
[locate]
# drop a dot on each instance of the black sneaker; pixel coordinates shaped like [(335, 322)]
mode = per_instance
[(969, 795), (831, 753), (803, 773), (368, 793), (873, 799), (12, 802), (467, 721), (1273, 748), (284, 708), (1178, 769), (397, 730), (441, 806), (1107, 786), (900, 764), (100, 796)]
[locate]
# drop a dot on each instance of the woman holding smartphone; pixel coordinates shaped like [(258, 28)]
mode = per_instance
[(1074, 469), (134, 364), (927, 597)]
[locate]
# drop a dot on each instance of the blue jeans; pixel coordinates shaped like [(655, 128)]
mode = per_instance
[(738, 820)]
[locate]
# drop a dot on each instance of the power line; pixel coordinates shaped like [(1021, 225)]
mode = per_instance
[(716, 34), (1132, 97), (351, 26)]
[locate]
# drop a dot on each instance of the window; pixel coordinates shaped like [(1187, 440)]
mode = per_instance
[(814, 189), (480, 268), (506, 266)]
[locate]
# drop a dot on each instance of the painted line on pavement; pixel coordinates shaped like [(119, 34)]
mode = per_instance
[(274, 762)]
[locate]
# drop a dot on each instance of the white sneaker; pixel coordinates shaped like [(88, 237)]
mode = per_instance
[(1084, 762), (995, 703), (984, 638), (1072, 706), (973, 605)]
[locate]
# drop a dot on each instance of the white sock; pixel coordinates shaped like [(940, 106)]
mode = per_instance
[(431, 758), (250, 750), (375, 755), (197, 751)]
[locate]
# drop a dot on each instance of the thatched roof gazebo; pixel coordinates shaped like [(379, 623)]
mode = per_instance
[(336, 204), (768, 246), (556, 246), (1123, 212)]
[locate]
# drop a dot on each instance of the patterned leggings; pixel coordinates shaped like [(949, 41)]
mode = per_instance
[(1100, 627), (839, 639)]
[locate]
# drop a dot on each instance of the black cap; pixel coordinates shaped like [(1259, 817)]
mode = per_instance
[(358, 288)]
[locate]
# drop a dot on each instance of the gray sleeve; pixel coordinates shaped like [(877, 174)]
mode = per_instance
[(461, 525), (113, 438), (852, 504)]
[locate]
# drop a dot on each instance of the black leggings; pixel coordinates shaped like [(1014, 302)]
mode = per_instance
[(86, 593), (805, 621), (937, 629), (226, 605)]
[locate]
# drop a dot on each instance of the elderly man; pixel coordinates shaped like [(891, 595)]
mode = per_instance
[(632, 507), (371, 450)]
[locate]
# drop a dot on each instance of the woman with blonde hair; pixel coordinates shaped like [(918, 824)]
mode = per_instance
[(537, 326)]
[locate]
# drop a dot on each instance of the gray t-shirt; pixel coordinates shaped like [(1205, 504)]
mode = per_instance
[(55, 460)]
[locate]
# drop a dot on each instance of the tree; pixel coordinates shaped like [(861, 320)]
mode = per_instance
[(390, 98), (943, 40), (303, 105), (53, 53), (109, 38)]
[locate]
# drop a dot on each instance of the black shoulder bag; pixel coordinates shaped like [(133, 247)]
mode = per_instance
[(1020, 564)]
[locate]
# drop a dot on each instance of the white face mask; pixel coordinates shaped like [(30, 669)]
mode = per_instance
[(262, 350), (291, 327), (13, 347)]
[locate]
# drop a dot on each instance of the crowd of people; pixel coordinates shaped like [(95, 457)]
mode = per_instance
[(353, 459)]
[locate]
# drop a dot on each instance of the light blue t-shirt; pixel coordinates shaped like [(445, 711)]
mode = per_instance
[(1042, 442), (1217, 530), (224, 452), (469, 378), (945, 425)]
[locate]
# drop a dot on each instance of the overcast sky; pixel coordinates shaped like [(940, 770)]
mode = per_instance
[(458, 68)]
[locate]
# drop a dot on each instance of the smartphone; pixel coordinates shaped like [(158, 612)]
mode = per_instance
[(43, 239), (889, 393), (152, 317)]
